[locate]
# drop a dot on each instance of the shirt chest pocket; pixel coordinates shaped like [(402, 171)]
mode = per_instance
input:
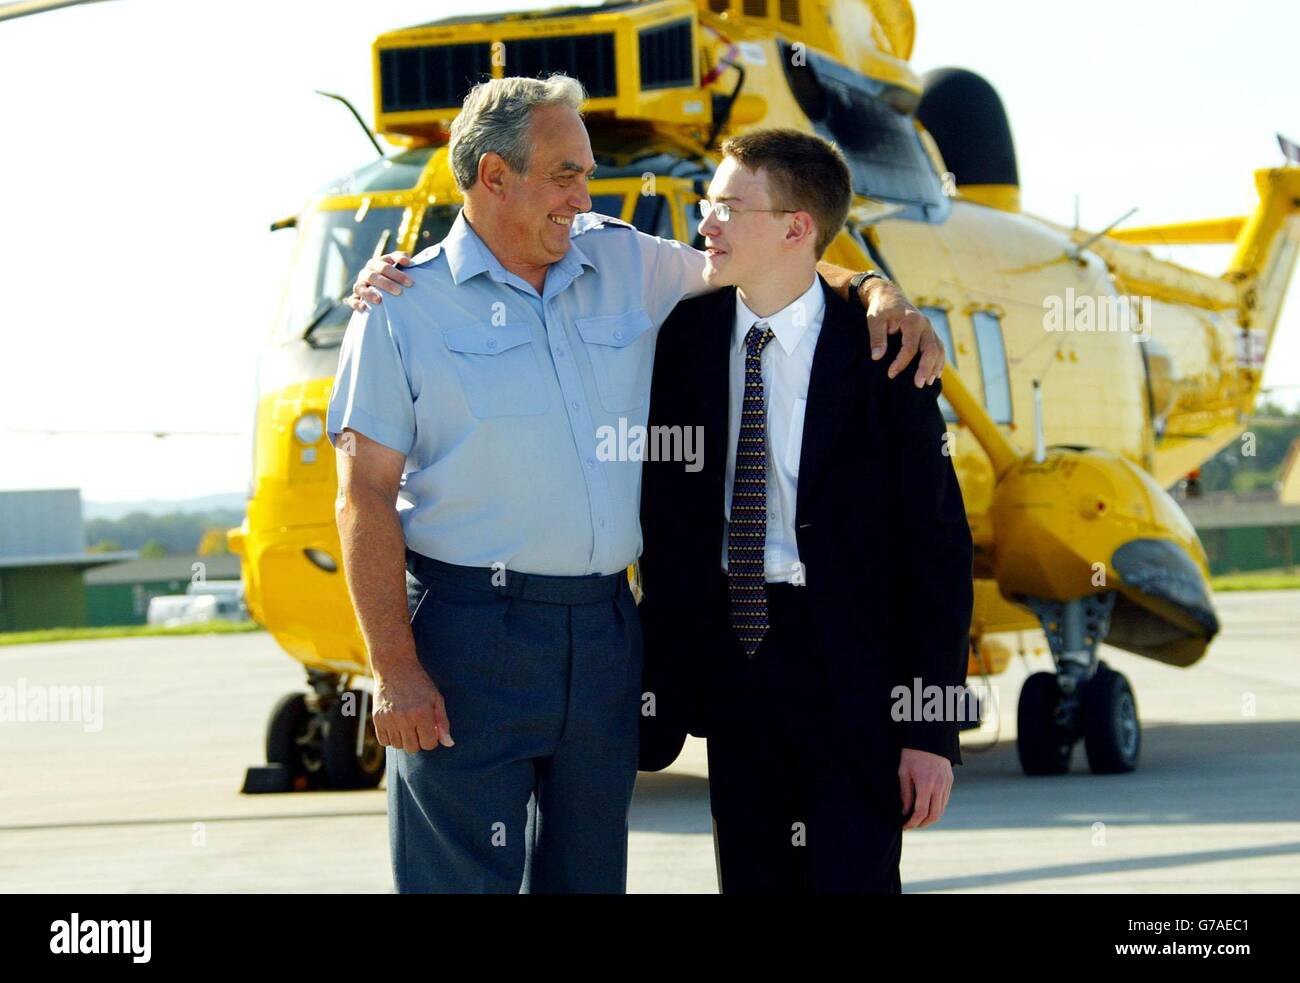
[(498, 368), (622, 357)]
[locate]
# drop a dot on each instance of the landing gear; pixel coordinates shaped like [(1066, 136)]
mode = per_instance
[(320, 739), (1112, 733), (1044, 743), (292, 742), (353, 756), (1084, 698)]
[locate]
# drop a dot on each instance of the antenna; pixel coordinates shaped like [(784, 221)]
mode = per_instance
[(1075, 250), (1040, 441), (357, 116), (1290, 150), (11, 10)]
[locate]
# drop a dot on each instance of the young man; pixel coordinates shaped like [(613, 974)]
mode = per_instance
[(819, 559)]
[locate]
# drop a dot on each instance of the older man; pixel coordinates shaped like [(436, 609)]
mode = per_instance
[(474, 402)]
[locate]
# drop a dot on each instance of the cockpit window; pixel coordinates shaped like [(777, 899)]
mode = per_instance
[(435, 225), (653, 215), (333, 246), (395, 173), (611, 205)]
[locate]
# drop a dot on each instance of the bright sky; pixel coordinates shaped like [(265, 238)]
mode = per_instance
[(148, 145)]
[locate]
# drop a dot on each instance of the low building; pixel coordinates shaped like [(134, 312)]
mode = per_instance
[(43, 560), (119, 594), (1241, 533)]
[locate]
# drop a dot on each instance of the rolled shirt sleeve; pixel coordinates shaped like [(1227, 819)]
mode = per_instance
[(372, 392)]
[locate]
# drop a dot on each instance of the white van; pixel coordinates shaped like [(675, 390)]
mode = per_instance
[(229, 595), (170, 610)]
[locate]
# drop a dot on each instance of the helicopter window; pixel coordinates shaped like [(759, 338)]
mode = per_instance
[(790, 11), (333, 246), (755, 8), (395, 173), (691, 223), (653, 216), (719, 6), (939, 318), (435, 225), (611, 205), (993, 365)]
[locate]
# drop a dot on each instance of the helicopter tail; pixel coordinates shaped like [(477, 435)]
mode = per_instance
[(1261, 268), (1267, 245)]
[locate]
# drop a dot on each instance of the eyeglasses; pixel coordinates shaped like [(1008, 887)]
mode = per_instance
[(723, 211)]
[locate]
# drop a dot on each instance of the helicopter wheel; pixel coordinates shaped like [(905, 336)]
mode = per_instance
[(1112, 732), (1045, 746), (292, 742), (345, 768)]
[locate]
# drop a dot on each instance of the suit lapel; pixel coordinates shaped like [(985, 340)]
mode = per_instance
[(832, 389), (713, 371)]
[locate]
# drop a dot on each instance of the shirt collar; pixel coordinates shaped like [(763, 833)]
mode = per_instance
[(468, 256), (789, 324)]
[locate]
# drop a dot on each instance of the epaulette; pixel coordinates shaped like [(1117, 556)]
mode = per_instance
[(426, 254), (586, 221)]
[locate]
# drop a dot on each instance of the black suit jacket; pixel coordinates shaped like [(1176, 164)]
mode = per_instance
[(880, 526)]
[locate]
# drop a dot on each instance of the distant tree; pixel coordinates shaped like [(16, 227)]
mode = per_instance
[(1270, 407), (213, 543), (105, 546), (152, 550), (178, 532), (1254, 460)]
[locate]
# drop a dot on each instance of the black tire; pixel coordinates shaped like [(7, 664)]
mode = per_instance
[(339, 745), (1112, 729), (289, 724), (1045, 747)]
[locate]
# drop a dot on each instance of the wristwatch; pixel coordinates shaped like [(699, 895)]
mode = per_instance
[(856, 282)]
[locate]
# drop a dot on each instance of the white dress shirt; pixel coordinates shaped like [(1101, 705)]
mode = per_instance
[(787, 366)]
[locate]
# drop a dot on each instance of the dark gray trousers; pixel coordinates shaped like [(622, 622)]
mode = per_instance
[(542, 682)]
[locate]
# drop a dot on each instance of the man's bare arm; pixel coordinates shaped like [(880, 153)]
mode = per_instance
[(889, 312), (409, 712)]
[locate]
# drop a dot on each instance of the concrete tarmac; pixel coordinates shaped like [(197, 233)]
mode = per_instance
[(146, 797)]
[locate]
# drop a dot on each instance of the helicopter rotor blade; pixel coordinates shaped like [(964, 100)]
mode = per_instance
[(8, 11)]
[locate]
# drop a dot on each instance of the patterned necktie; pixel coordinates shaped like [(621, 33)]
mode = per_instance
[(747, 529)]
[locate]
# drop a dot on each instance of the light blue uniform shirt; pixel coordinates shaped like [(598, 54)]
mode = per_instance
[(497, 395)]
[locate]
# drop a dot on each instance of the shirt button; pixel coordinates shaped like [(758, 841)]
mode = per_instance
[(618, 335), (492, 343), (602, 523), (559, 353), (575, 404), (590, 463)]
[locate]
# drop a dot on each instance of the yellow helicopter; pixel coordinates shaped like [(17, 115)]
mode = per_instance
[(1085, 375)]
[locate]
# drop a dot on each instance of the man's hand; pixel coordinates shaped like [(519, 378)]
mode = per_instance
[(888, 312), (926, 783), (409, 711), (384, 273)]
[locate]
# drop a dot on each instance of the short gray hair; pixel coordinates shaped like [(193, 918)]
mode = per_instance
[(495, 117)]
